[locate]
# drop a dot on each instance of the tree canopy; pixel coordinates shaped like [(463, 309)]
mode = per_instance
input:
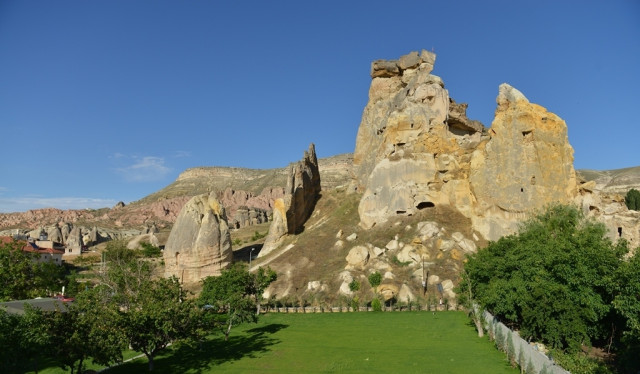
[(232, 297), (632, 199), (22, 276), (554, 280)]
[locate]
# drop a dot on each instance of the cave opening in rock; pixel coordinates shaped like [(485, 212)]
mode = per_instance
[(620, 232), (425, 204)]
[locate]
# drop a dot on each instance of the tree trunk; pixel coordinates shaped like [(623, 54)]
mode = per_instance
[(80, 366), (150, 358), (478, 323), (226, 334)]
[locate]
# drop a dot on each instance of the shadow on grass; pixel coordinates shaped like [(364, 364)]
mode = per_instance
[(200, 358)]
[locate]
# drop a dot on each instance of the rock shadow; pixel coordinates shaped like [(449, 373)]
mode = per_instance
[(200, 358), (243, 253)]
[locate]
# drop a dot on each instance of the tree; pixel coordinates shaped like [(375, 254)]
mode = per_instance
[(86, 330), (465, 298), (16, 272), (24, 340), (230, 298), (260, 281), (552, 280), (632, 199), (627, 304), (160, 315), (22, 276), (152, 313)]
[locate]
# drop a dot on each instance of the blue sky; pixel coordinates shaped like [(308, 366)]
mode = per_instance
[(102, 101)]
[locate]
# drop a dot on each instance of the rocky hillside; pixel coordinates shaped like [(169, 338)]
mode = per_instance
[(617, 181), (236, 187), (425, 186)]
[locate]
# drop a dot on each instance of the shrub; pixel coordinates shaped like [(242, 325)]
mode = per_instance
[(375, 279), (150, 250), (354, 285), (376, 305), (632, 200)]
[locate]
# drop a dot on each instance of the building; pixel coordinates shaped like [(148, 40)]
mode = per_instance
[(46, 250)]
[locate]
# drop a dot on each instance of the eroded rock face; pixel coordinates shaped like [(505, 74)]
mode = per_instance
[(292, 211), (526, 164), (199, 244), (416, 149)]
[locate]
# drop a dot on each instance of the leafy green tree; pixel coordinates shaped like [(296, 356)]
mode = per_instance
[(152, 313), (88, 329), (466, 300), (230, 298), (553, 280), (260, 280), (10, 339), (16, 272), (22, 276), (627, 304), (632, 199), (162, 314)]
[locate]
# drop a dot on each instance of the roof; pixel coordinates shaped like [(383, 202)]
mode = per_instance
[(30, 246), (46, 304)]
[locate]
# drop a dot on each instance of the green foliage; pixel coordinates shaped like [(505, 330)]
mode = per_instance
[(257, 236), (237, 241), (150, 250), (375, 279), (22, 276), (162, 314), (413, 342), (355, 304), (231, 297), (149, 313), (632, 199), (578, 362), (396, 261), (354, 285), (376, 305), (552, 280), (627, 300)]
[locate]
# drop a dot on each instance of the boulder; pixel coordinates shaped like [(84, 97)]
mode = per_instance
[(387, 291), (405, 295), (358, 256), (199, 244)]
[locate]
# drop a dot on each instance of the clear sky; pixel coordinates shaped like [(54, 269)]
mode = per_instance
[(107, 101)]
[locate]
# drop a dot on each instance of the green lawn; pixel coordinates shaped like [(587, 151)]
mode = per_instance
[(407, 342)]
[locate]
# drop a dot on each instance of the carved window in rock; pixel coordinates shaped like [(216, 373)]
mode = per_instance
[(177, 258)]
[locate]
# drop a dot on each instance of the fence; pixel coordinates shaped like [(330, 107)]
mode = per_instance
[(532, 356)]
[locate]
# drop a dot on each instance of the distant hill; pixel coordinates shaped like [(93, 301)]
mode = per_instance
[(617, 181)]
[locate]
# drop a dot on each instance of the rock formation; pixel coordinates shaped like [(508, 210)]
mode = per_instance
[(74, 241), (526, 164), (199, 244), (416, 149), (291, 211)]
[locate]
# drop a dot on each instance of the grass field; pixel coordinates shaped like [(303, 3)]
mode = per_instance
[(390, 342)]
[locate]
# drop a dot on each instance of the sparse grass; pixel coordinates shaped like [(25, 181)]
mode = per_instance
[(407, 342)]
